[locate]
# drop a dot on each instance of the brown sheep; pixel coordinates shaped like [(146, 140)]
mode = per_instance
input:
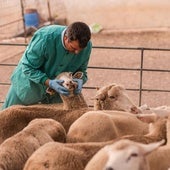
[(114, 97), (15, 150), (15, 118), (98, 126), (160, 159), (71, 156), (71, 101), (157, 132), (68, 83)]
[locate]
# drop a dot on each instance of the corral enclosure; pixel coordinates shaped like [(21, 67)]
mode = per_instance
[(128, 59)]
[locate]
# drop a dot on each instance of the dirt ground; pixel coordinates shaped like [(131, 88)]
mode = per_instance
[(118, 58)]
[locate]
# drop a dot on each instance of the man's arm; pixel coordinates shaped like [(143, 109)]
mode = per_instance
[(34, 58)]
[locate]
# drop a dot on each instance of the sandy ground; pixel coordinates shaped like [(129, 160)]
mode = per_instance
[(114, 58)]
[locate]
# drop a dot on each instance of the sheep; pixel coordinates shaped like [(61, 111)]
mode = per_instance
[(109, 97), (97, 126), (123, 154), (15, 118), (71, 101), (62, 156), (73, 156), (148, 117), (157, 132), (160, 111), (68, 83), (18, 116), (76, 155), (159, 159), (114, 97), (151, 114), (15, 150)]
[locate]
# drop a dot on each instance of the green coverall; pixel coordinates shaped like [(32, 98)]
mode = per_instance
[(45, 57)]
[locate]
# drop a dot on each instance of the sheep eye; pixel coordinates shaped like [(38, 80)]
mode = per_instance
[(113, 97), (100, 97), (132, 155)]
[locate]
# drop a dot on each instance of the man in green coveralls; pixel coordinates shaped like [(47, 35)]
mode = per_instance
[(53, 49)]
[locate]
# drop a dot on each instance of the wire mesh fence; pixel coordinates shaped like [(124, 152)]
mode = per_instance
[(18, 16)]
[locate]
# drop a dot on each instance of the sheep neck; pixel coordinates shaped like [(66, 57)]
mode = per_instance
[(73, 102)]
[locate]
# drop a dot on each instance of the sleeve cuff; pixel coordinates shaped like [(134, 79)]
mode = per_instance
[(43, 80)]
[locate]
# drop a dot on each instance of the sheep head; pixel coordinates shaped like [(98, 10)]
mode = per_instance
[(114, 97), (129, 155), (68, 82)]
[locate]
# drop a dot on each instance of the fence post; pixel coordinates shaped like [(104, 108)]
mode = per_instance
[(141, 77)]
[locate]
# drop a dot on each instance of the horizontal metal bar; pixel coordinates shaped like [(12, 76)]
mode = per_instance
[(11, 22), (14, 44), (8, 64), (149, 90), (91, 88), (133, 69), (5, 84), (110, 68), (132, 48), (103, 47)]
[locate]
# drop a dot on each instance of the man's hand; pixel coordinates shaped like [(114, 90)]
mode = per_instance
[(79, 85), (57, 86)]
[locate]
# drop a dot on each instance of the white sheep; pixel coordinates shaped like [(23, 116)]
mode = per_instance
[(160, 111), (15, 150), (123, 154), (97, 126), (151, 114)]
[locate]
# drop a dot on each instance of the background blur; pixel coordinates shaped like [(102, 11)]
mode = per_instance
[(110, 14)]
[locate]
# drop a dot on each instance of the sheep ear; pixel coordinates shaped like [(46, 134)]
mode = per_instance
[(148, 148), (78, 75), (70, 74)]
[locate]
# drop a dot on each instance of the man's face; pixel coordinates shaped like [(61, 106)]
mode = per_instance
[(72, 46)]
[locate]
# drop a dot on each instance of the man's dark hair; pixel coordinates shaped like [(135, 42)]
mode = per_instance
[(79, 31)]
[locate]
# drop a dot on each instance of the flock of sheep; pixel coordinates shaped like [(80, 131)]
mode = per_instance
[(114, 135)]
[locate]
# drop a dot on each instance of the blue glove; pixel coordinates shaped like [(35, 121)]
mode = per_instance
[(56, 85), (79, 85)]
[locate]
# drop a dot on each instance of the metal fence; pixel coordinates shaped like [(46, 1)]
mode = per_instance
[(11, 21), (13, 18), (140, 70)]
